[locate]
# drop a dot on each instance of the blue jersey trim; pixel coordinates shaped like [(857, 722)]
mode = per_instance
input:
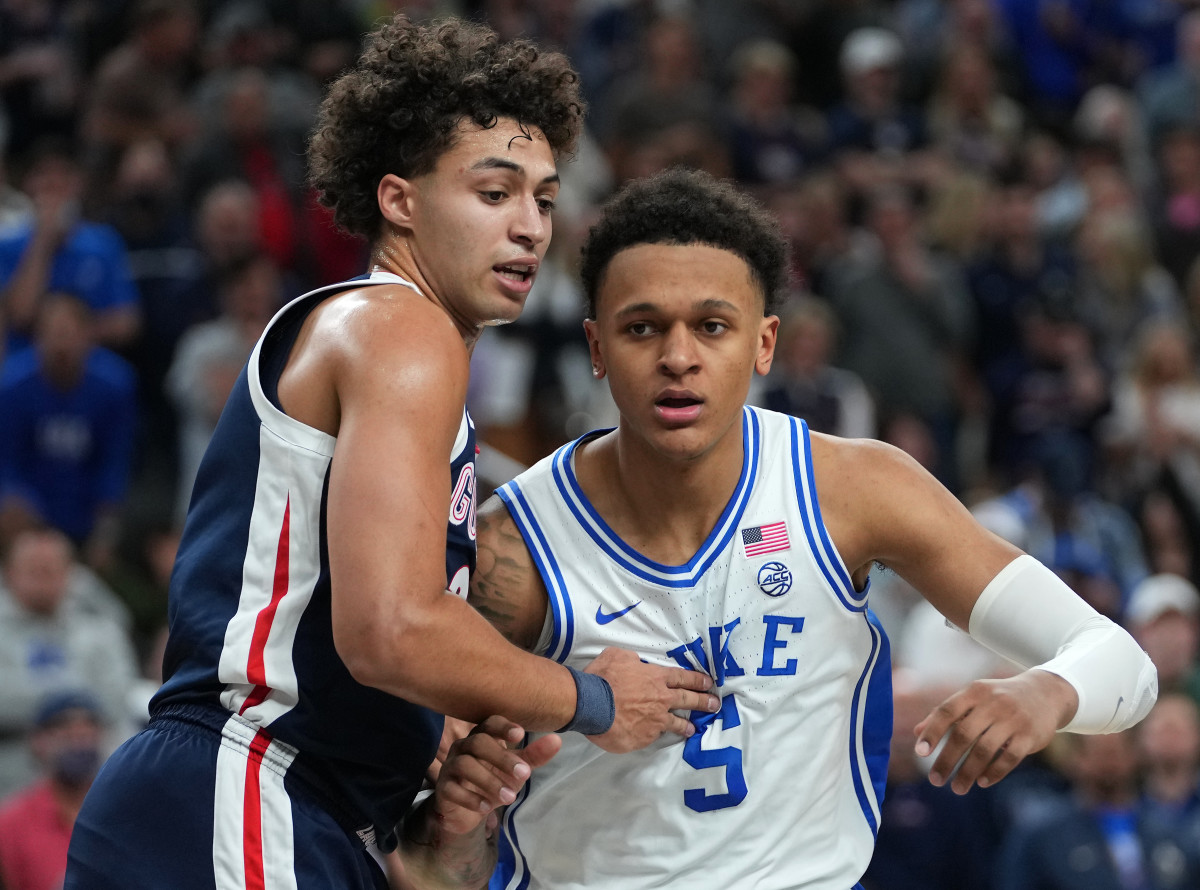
[(864, 748), (827, 558), (688, 574), (509, 850), (563, 631), (877, 725)]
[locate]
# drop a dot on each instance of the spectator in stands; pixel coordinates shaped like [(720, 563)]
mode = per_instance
[(1175, 209), (59, 251), (907, 321), (1169, 95), (1169, 748), (1153, 430), (877, 139), (804, 384), (35, 824), (971, 122), (666, 112), (247, 144), (39, 71), (65, 444), (1164, 617), (1168, 532), (48, 644), (211, 355), (1121, 287), (813, 216), (139, 90), (772, 140), (1017, 270), (1097, 837)]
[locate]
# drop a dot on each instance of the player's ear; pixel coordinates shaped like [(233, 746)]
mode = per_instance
[(589, 329), (768, 331), (396, 198)]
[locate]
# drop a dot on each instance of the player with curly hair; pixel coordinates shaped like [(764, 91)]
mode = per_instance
[(318, 626)]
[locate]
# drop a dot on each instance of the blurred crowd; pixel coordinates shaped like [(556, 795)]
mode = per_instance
[(993, 208)]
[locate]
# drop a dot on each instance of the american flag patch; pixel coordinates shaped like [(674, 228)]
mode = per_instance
[(765, 538)]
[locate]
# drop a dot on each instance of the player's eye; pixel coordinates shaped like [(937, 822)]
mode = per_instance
[(712, 326), (494, 197), (545, 205), (640, 328)]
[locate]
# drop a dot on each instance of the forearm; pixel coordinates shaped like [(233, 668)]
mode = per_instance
[(1027, 614), (437, 859), (446, 656)]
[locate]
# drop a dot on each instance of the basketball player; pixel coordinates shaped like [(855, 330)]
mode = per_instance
[(313, 645), (703, 533)]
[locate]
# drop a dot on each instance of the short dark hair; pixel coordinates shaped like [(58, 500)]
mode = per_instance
[(397, 110), (683, 207)]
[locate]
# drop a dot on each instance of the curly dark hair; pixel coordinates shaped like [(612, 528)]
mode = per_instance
[(397, 110), (683, 207)]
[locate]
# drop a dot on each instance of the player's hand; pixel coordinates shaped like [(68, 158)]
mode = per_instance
[(645, 696), (992, 725), (484, 771), (453, 730)]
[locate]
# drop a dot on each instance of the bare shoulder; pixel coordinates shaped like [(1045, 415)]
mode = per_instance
[(390, 325), (854, 477), (363, 347), (507, 588), (881, 505)]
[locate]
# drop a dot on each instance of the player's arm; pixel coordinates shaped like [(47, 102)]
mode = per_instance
[(397, 369), (507, 589), (1084, 673)]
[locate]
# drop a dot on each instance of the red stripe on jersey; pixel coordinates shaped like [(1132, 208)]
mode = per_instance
[(256, 671), (252, 840)]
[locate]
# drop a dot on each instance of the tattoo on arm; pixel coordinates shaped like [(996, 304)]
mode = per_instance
[(506, 585)]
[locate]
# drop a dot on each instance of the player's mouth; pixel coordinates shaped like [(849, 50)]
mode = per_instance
[(516, 277), (678, 407)]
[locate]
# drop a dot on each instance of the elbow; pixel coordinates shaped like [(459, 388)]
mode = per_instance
[(372, 656)]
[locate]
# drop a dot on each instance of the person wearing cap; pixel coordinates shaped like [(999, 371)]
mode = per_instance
[(1163, 615), (877, 138), (35, 824), (52, 640)]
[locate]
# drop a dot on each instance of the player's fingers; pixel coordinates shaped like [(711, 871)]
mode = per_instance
[(960, 738), (1012, 753), (680, 726), (686, 700), (679, 678), (495, 784), (492, 753), (983, 751), (938, 722), (499, 728), (540, 751)]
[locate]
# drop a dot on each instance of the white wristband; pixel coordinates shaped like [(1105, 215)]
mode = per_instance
[(1028, 615)]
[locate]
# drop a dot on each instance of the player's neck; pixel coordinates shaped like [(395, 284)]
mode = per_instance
[(663, 507), (394, 256)]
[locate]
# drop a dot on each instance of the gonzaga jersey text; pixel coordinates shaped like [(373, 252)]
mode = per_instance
[(782, 787)]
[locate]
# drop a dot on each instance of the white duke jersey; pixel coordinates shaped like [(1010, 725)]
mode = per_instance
[(782, 788)]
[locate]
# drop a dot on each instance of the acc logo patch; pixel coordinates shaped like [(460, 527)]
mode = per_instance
[(774, 579)]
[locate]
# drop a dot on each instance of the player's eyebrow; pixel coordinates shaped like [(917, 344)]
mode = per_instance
[(493, 163), (713, 304)]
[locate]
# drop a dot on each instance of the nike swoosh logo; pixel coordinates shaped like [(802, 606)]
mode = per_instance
[(604, 618)]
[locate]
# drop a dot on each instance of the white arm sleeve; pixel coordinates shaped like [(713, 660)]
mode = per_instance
[(1028, 615)]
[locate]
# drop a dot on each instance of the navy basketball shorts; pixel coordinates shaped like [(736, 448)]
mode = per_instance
[(187, 806)]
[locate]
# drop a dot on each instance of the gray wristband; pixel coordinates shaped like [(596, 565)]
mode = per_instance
[(595, 710)]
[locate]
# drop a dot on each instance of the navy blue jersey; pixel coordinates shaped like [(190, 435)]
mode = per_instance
[(250, 622)]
